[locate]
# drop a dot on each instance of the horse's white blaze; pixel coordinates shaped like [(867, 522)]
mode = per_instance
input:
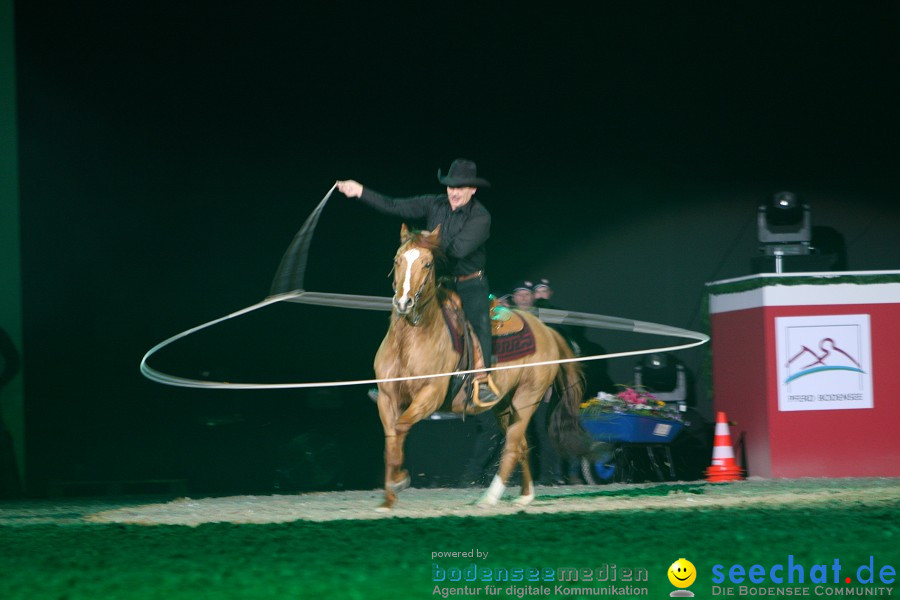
[(410, 257)]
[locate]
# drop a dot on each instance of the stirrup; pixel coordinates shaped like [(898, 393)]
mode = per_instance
[(485, 393)]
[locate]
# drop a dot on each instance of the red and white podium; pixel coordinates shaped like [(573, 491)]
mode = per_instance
[(808, 366)]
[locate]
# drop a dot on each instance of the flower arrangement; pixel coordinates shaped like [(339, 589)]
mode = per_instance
[(631, 402)]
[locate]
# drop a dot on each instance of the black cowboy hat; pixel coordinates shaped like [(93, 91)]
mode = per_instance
[(463, 173)]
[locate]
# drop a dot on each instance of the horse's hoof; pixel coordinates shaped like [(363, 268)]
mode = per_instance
[(486, 501), (384, 509), (399, 486), (525, 500), (493, 493)]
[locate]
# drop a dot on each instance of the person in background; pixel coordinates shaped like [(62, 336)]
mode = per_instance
[(548, 463), (543, 293), (523, 296), (552, 466)]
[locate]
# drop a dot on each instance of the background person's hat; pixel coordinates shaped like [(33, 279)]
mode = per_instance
[(524, 285), (543, 282), (462, 173)]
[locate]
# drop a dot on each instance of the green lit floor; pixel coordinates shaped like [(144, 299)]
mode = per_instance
[(84, 549)]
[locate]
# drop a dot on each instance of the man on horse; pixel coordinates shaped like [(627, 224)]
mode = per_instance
[(465, 227)]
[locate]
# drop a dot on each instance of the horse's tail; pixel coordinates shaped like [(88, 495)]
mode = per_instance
[(565, 428)]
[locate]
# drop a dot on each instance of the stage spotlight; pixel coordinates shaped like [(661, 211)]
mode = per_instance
[(784, 227), (664, 376)]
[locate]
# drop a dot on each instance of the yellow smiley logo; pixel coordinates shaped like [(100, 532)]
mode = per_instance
[(682, 573)]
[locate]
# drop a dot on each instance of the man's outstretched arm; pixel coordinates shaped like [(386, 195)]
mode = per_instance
[(415, 207)]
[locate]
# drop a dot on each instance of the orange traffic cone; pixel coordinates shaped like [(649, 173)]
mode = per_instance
[(723, 467)]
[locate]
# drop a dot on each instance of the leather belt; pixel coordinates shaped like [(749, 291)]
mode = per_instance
[(474, 275)]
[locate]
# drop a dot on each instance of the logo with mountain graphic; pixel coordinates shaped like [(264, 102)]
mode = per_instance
[(824, 362)]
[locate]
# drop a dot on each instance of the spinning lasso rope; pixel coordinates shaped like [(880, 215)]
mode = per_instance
[(287, 286)]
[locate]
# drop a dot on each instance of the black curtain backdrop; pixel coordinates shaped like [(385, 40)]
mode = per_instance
[(170, 151)]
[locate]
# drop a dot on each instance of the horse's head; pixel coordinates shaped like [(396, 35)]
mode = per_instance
[(414, 266)]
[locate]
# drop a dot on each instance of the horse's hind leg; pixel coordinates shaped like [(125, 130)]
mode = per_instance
[(527, 494), (513, 452)]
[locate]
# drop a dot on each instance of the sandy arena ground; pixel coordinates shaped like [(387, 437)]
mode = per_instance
[(429, 503)]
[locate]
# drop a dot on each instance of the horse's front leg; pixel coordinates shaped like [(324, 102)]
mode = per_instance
[(425, 401), (389, 412), (396, 479)]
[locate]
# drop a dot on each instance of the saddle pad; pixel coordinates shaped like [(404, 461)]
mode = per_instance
[(514, 346)]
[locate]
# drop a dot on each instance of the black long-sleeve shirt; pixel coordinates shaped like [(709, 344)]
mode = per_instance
[(464, 231)]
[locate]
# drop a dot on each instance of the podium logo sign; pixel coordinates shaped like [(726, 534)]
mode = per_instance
[(824, 362)]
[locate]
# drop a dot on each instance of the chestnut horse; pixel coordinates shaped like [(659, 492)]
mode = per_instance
[(418, 342)]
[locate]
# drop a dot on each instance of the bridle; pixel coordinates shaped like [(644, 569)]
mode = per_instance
[(414, 310)]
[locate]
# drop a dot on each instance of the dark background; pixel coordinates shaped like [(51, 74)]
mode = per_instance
[(170, 151)]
